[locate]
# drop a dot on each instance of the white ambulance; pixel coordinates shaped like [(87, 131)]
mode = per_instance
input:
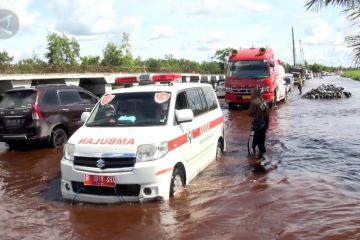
[(143, 142)]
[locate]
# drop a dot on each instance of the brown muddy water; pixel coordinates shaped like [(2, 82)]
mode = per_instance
[(314, 193)]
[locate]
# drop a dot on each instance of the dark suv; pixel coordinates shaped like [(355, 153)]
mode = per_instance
[(44, 112)]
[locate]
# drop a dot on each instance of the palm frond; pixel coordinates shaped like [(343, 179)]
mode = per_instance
[(354, 42), (316, 5)]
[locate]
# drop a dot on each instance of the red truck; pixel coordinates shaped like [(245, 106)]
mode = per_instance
[(254, 67)]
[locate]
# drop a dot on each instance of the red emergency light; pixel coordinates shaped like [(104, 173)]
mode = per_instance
[(166, 77), (126, 80)]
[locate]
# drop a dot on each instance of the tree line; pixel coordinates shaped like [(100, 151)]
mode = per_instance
[(63, 55)]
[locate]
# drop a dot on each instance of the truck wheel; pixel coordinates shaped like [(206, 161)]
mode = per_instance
[(58, 138), (286, 97), (273, 103), (232, 106), (177, 181)]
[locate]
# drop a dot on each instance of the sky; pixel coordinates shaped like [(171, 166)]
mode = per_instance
[(189, 29)]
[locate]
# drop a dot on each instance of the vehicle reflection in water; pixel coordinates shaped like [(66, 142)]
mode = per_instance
[(313, 193)]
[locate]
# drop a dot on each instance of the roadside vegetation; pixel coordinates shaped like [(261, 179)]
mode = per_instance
[(354, 74), (63, 56)]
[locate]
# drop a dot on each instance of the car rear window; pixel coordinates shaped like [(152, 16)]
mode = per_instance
[(18, 99)]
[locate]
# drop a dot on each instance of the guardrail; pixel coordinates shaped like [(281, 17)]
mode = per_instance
[(38, 69)]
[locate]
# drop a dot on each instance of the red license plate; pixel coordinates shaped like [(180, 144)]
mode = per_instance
[(99, 180)]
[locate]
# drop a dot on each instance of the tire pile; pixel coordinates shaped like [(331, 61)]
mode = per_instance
[(329, 91)]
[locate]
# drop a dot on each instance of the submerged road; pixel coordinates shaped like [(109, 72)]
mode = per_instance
[(314, 192)]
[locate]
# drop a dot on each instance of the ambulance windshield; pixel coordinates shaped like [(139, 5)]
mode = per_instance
[(131, 109)]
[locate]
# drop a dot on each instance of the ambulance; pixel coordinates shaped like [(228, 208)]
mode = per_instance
[(144, 142)]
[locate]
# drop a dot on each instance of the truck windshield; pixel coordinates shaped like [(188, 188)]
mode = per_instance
[(131, 109), (249, 69)]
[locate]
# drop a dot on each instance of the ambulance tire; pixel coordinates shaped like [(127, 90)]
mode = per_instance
[(58, 138), (219, 150), (177, 181)]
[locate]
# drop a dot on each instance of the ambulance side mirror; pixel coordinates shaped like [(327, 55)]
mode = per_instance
[(184, 115), (84, 116)]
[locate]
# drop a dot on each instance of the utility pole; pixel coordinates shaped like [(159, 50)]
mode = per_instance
[(293, 44), (302, 56)]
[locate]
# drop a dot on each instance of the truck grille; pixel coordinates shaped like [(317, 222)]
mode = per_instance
[(106, 163), (128, 190), (241, 90)]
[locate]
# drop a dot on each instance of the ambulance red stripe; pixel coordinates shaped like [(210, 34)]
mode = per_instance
[(177, 142), (164, 171)]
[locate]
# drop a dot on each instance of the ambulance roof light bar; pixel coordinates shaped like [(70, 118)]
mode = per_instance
[(149, 79), (126, 80)]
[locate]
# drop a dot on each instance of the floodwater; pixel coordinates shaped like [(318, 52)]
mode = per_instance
[(314, 193)]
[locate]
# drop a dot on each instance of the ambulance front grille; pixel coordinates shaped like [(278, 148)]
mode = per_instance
[(128, 190), (105, 163)]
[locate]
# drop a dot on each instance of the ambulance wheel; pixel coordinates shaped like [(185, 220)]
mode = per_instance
[(177, 182), (58, 138), (219, 150), (286, 97)]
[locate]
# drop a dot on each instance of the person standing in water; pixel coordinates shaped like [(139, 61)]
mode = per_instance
[(300, 86), (259, 111)]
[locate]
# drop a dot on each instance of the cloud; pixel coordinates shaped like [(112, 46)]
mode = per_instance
[(161, 32), (27, 18), (203, 8), (251, 5), (89, 17), (131, 21)]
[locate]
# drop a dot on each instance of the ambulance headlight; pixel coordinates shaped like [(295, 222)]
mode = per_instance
[(150, 152), (69, 150)]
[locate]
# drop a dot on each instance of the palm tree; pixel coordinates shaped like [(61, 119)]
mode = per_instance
[(352, 10)]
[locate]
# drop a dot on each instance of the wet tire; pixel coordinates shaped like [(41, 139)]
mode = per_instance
[(219, 150), (232, 106), (273, 103), (286, 97), (177, 182), (58, 138)]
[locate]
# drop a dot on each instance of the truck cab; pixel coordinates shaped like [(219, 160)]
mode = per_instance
[(254, 67)]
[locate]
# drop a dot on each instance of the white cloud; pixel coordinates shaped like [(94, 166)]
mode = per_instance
[(161, 32), (27, 18), (203, 8), (251, 5), (132, 21), (89, 17)]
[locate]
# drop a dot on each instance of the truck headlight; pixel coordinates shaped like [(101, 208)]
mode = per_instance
[(69, 150), (150, 152), (265, 89)]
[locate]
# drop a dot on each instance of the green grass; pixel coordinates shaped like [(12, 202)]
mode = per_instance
[(354, 74)]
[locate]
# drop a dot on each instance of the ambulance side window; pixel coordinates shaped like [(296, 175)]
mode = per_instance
[(195, 102), (210, 98), (181, 102)]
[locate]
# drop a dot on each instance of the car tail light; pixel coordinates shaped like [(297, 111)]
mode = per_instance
[(36, 114)]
